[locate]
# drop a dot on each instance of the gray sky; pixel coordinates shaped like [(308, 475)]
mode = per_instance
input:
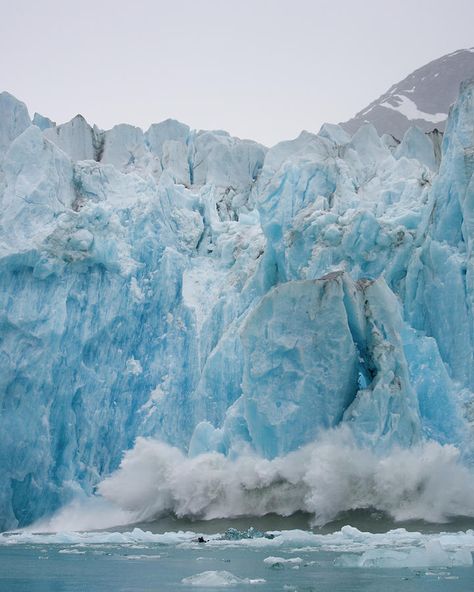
[(261, 69)]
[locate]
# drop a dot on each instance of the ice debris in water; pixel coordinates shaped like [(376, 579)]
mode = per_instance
[(218, 579), (232, 534), (205, 301), (429, 555), (280, 562), (354, 548)]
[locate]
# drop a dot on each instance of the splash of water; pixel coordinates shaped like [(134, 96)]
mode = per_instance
[(325, 478)]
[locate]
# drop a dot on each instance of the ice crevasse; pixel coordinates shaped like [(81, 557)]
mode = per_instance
[(206, 303)]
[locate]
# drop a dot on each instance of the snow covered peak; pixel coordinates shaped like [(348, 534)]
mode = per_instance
[(423, 98)]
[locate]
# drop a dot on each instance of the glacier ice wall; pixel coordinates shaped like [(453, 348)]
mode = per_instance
[(219, 297)]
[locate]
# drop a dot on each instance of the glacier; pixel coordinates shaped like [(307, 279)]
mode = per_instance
[(187, 318)]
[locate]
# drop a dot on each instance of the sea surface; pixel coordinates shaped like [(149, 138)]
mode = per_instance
[(261, 554)]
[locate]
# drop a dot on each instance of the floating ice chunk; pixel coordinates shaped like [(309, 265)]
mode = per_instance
[(280, 561), (396, 548), (218, 579), (141, 557), (430, 555)]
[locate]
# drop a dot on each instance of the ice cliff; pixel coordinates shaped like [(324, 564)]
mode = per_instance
[(220, 300)]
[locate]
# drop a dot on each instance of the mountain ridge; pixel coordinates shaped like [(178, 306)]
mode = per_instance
[(423, 98)]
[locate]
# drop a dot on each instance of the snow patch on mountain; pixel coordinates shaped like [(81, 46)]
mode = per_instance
[(423, 98), (408, 108)]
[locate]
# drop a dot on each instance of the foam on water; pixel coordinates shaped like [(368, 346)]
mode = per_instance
[(85, 513)]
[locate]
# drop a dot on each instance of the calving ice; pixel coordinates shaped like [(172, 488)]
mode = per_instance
[(197, 324)]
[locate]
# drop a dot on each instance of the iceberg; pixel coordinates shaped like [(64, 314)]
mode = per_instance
[(218, 579), (432, 555), (179, 306)]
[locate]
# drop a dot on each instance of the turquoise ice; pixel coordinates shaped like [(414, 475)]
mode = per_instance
[(224, 298)]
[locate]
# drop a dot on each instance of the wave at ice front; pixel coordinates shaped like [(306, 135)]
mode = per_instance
[(326, 478), (83, 514)]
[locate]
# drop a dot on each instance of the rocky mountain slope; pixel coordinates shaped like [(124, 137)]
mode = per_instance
[(423, 98)]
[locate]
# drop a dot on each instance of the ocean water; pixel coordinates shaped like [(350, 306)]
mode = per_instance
[(265, 554)]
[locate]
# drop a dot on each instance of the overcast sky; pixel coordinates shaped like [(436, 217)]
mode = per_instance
[(261, 69)]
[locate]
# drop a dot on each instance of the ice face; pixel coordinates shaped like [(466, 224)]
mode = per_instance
[(38, 188), (42, 122), (14, 119), (416, 144), (300, 364), (227, 301), (75, 138), (123, 146)]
